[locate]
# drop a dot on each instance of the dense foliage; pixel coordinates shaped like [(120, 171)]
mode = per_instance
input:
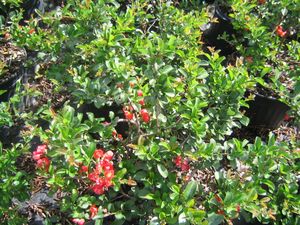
[(145, 135)]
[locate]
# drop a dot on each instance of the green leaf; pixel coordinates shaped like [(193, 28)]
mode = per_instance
[(182, 220), (154, 221), (245, 120), (229, 198), (190, 190), (197, 215), (2, 91), (165, 145), (167, 69), (162, 170), (252, 195), (183, 72), (145, 194), (120, 174), (119, 216), (68, 114), (99, 222), (162, 118), (215, 219)]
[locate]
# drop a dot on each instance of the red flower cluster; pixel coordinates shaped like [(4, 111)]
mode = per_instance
[(280, 32), (145, 115), (78, 221), (117, 136), (42, 161), (128, 115), (141, 94), (128, 112), (103, 173), (182, 164)]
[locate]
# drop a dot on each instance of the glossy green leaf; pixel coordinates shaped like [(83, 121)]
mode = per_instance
[(190, 190), (162, 170)]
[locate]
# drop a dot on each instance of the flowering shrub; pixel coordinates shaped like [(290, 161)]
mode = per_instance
[(146, 135)]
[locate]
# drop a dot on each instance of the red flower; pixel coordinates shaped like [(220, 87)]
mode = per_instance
[(103, 173), (108, 155), (120, 136), (106, 165), (109, 174), (178, 161), (107, 183), (145, 115), (93, 211), (280, 32), (182, 164), (185, 165), (98, 189), (128, 115), (36, 156), (78, 221), (41, 149), (140, 93), (93, 176), (43, 163), (142, 102), (98, 153), (128, 108), (83, 169), (98, 168)]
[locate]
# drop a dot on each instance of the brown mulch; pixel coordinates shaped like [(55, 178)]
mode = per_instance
[(46, 90), (287, 133), (11, 55), (11, 58)]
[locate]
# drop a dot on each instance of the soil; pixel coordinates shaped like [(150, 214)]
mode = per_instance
[(11, 60), (47, 90), (287, 132), (11, 56)]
